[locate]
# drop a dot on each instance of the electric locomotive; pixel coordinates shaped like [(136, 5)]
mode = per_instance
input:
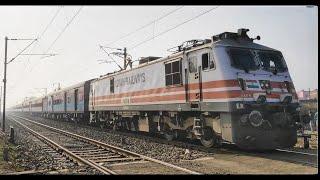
[(223, 89), (226, 88)]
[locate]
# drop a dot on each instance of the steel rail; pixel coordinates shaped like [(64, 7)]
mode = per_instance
[(66, 151), (297, 152), (104, 145)]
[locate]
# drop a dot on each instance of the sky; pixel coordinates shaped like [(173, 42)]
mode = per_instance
[(291, 29)]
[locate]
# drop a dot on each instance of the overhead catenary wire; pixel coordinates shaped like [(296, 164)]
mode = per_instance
[(41, 34), (146, 25), (132, 32), (64, 29), (45, 30), (172, 28), (34, 40), (61, 32), (101, 47)]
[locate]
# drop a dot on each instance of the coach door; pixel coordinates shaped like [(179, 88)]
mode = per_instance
[(51, 104), (65, 102), (194, 81), (76, 100)]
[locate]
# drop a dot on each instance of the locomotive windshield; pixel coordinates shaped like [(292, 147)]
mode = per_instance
[(243, 59), (270, 60)]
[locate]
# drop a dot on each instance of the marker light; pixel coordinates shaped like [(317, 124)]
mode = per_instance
[(255, 118)]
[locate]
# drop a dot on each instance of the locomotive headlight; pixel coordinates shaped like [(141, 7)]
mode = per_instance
[(255, 118)]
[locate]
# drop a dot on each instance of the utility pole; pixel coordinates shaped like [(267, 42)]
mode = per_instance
[(121, 53), (4, 84), (6, 39), (125, 58), (0, 98)]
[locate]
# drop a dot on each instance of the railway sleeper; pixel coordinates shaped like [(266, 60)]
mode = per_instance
[(101, 157), (117, 159)]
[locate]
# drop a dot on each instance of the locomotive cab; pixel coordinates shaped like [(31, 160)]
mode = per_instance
[(262, 112)]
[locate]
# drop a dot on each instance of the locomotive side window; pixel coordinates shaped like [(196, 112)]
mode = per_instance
[(207, 62), (112, 85), (173, 73)]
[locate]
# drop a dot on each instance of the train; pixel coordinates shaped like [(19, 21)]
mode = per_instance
[(223, 89)]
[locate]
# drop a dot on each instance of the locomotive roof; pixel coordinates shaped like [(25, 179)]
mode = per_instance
[(170, 57), (67, 88), (222, 42), (242, 44)]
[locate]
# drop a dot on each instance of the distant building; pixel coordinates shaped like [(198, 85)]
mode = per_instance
[(308, 95), (314, 94)]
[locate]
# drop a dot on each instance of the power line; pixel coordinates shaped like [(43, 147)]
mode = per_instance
[(45, 29), (67, 25), (146, 25), (22, 51), (43, 32), (51, 21), (101, 47), (64, 29), (163, 32)]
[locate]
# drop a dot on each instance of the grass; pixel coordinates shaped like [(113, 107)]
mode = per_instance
[(4, 165)]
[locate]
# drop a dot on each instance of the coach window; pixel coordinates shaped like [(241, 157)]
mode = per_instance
[(112, 85), (173, 73), (207, 61)]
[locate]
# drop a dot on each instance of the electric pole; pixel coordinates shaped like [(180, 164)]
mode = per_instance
[(125, 58), (4, 84), (0, 98), (6, 39)]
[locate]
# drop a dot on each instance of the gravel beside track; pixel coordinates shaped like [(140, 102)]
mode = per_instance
[(34, 155)]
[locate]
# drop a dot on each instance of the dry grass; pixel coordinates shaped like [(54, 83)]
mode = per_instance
[(4, 165)]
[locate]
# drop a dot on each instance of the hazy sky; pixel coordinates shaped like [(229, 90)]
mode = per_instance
[(290, 29)]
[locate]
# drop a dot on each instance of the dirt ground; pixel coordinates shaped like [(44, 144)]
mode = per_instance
[(242, 164)]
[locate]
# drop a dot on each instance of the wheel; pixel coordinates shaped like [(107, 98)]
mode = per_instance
[(169, 135), (208, 139)]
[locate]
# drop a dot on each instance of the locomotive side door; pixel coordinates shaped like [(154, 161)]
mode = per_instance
[(194, 81)]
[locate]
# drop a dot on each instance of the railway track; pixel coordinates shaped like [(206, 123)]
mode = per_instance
[(296, 152), (93, 153), (303, 158)]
